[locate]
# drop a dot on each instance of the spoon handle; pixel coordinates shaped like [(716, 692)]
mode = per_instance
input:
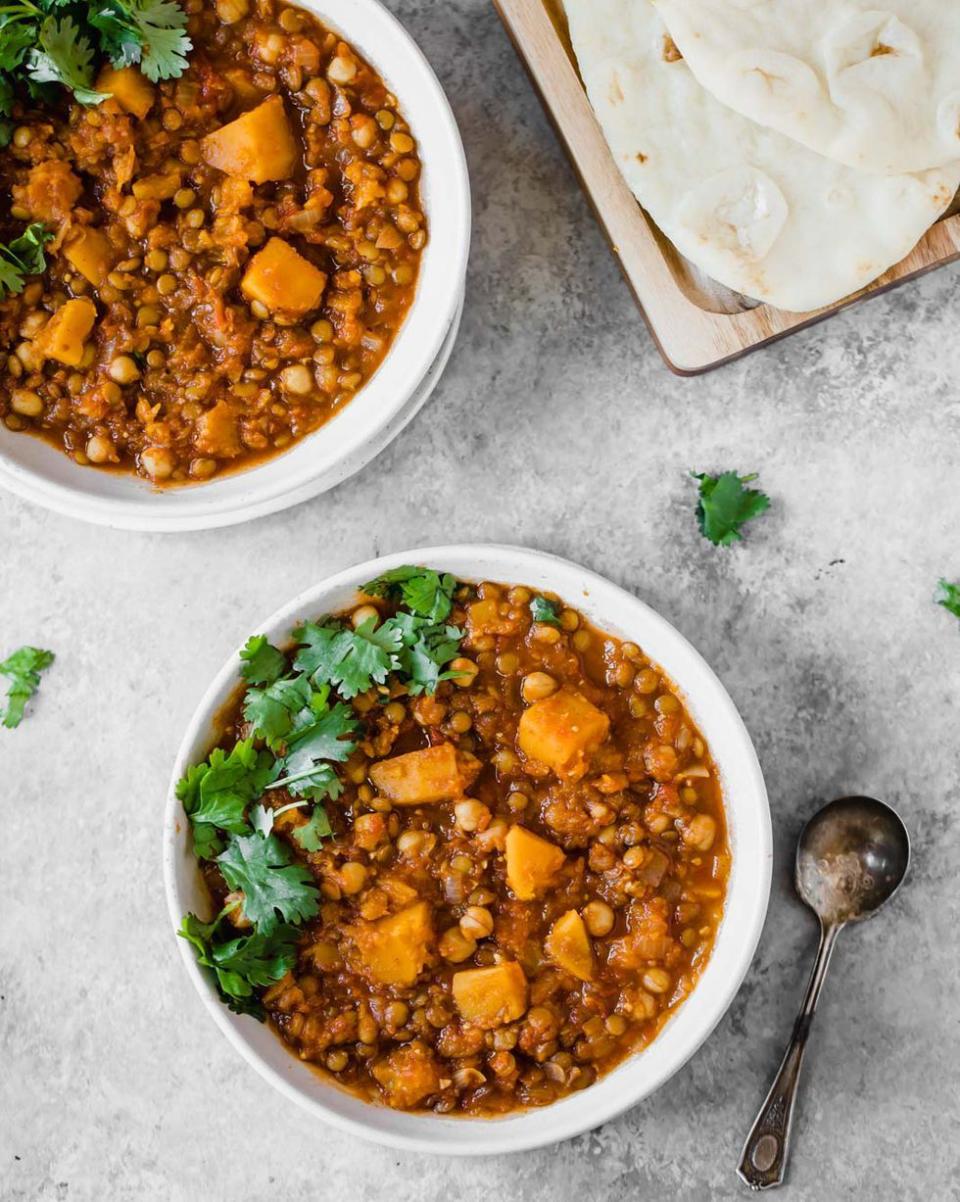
[(763, 1162)]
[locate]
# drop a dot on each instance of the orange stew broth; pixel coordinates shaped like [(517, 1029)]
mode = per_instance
[(190, 367), (637, 831)]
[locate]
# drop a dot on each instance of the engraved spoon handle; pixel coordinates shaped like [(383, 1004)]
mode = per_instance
[(763, 1162)]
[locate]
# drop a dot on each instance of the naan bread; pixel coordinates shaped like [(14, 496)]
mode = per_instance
[(875, 88), (753, 209)]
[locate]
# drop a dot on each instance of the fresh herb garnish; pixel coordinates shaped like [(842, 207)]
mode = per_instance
[(301, 730), (23, 670), (948, 596), (46, 42), (726, 504), (242, 964), (426, 593), (544, 611), (22, 257), (274, 890)]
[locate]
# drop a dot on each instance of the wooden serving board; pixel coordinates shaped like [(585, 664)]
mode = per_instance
[(696, 323)]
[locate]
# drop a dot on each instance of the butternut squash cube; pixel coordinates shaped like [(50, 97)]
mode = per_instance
[(532, 863), (490, 997), (393, 950), (407, 1075), (562, 731), (280, 278), (568, 945), (90, 253), (132, 91), (65, 335), (421, 777), (484, 617), (258, 146)]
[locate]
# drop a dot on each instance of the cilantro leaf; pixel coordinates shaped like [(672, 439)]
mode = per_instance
[(63, 54), (242, 964), (544, 611), (216, 793), (150, 33), (424, 592), (350, 660), (306, 770), (23, 670), (22, 257), (263, 663), (277, 710), (725, 505), (949, 597), (311, 835), (271, 885)]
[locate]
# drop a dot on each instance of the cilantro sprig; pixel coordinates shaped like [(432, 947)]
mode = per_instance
[(726, 504), (948, 595), (23, 670), (300, 730), (50, 42), (22, 256), (544, 612)]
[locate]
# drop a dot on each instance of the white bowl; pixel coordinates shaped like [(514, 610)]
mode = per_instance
[(38, 472), (748, 816)]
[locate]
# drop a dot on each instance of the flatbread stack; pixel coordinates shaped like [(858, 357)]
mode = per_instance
[(794, 150)]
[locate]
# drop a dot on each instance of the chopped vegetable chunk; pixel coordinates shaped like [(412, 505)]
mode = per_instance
[(129, 88), (407, 1075), (562, 731), (491, 997), (65, 335), (258, 146), (421, 777), (394, 950), (568, 945), (532, 863), (91, 254), (280, 278)]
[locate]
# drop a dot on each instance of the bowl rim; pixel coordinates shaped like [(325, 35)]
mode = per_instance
[(570, 1116), (317, 462)]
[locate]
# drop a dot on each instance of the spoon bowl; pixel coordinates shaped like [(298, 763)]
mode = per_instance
[(851, 859)]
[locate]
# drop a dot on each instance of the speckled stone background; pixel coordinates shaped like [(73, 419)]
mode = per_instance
[(556, 425)]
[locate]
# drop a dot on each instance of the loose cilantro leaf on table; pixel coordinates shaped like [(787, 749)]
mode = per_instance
[(948, 596), (544, 611), (23, 670), (273, 888), (216, 793), (726, 504), (426, 593), (22, 257)]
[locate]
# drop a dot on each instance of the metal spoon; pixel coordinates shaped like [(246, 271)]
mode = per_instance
[(851, 858)]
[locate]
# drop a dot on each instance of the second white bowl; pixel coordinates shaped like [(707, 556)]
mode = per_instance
[(748, 817)]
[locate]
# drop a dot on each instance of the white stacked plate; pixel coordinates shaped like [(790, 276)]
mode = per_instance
[(408, 375)]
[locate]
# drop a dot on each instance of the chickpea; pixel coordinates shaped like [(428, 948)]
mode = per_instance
[(342, 70), (353, 877), (157, 462), (477, 922), (699, 832), (657, 980), (363, 613), (455, 946), (26, 402), (537, 685), (297, 379), (471, 815), (599, 918), (100, 450), (123, 369), (467, 672)]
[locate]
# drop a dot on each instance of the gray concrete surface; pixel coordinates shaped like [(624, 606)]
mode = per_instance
[(556, 425)]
